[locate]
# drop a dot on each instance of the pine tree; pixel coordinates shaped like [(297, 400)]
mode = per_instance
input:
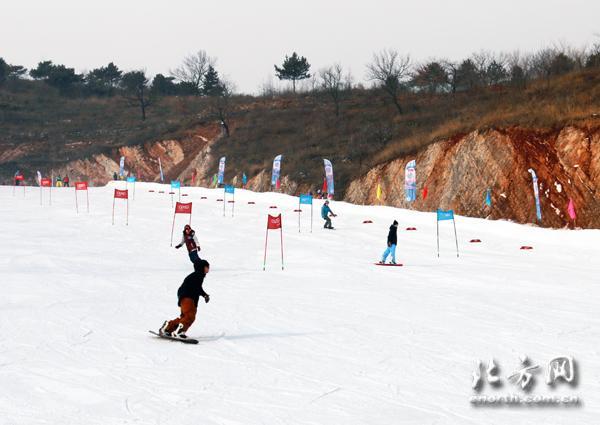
[(212, 84), (293, 68)]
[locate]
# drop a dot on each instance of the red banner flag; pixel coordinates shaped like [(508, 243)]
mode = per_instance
[(425, 193), (274, 222), (183, 208), (46, 183), (121, 194), (81, 185)]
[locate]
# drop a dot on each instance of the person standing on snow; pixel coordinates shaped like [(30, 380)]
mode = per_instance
[(325, 213), (66, 181), (191, 242), (188, 295), (392, 241)]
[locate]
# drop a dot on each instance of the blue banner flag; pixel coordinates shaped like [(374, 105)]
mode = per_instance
[(488, 198), (244, 179), (221, 170), (536, 193), (276, 170), (445, 215), (306, 199), (175, 184), (131, 179), (410, 181), (329, 175), (229, 189)]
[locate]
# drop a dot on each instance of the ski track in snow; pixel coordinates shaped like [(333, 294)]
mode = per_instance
[(331, 339)]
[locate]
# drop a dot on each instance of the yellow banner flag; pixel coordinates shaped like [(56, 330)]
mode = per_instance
[(378, 191)]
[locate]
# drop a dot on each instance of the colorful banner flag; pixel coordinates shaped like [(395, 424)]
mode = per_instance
[(121, 194), (276, 170), (39, 177), (536, 192), (215, 180), (194, 173), (162, 177), (571, 209), (122, 166), (183, 208), (221, 170), (378, 191), (445, 215), (329, 176), (306, 199), (488, 197), (410, 181), (425, 192), (244, 179)]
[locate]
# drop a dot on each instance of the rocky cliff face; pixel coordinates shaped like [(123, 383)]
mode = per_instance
[(458, 171), (179, 159)]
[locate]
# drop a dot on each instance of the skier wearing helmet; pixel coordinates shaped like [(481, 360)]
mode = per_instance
[(325, 213), (191, 242)]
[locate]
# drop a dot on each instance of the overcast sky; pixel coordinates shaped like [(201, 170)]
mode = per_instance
[(249, 36)]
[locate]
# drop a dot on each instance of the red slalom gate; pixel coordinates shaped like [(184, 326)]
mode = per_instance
[(274, 223), (121, 194), (46, 182), (21, 179), (82, 186), (181, 208)]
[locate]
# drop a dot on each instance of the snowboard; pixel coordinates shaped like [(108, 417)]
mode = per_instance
[(389, 265), (184, 340)]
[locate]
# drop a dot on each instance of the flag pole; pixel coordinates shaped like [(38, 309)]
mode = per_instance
[(455, 237), (281, 234), (438, 235), (266, 239)]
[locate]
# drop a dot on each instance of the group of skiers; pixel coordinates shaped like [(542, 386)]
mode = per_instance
[(62, 181), (190, 291), (59, 181)]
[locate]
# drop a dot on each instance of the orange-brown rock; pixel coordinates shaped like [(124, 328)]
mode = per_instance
[(457, 172)]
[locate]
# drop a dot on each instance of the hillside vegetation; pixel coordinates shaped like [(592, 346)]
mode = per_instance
[(43, 129)]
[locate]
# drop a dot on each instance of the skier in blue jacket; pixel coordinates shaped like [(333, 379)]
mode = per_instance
[(392, 241), (325, 213)]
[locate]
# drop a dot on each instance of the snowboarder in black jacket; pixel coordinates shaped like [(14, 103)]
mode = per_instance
[(392, 241), (188, 295)]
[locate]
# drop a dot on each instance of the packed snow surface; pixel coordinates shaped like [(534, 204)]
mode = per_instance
[(331, 339)]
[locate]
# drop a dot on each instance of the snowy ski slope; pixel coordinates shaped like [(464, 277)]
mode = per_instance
[(332, 339)]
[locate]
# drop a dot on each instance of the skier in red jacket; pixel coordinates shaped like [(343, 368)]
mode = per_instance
[(191, 242)]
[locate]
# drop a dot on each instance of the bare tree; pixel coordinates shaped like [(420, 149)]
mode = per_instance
[(389, 69), (332, 82), (221, 104), (193, 69), (452, 72)]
